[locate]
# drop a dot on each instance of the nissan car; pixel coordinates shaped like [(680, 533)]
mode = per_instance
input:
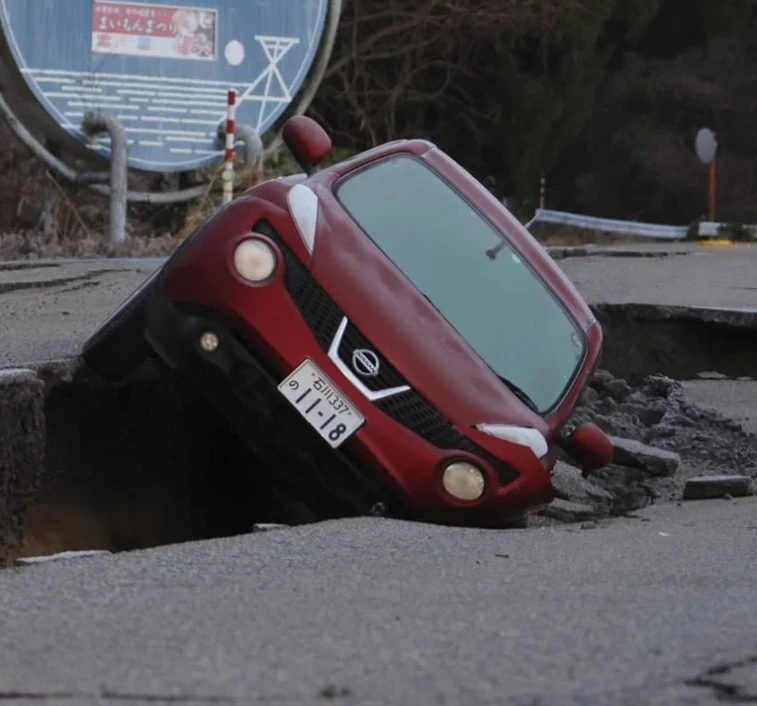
[(383, 332)]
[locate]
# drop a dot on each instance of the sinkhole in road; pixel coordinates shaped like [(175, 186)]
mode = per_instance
[(679, 342), (144, 463), (149, 462)]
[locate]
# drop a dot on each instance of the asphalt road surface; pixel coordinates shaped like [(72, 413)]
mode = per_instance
[(48, 308), (653, 610), (632, 612), (676, 275)]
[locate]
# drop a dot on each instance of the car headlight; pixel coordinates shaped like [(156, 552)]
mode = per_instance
[(524, 436), (463, 480), (254, 260)]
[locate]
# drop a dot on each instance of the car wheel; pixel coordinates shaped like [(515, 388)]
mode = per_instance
[(119, 347)]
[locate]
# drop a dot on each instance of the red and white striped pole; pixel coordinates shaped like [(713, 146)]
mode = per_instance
[(228, 167)]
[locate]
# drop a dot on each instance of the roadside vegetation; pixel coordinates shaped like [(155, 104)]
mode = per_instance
[(602, 97)]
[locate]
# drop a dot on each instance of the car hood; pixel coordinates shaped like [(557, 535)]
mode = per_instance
[(409, 332)]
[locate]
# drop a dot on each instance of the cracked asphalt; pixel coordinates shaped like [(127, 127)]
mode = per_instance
[(655, 609), (48, 309), (674, 275)]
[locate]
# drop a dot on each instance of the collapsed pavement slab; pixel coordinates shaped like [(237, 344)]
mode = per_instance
[(634, 454), (707, 487), (22, 454), (569, 512)]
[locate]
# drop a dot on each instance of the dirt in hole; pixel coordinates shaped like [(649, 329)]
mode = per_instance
[(141, 464)]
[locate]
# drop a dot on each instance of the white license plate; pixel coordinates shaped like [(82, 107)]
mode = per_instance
[(319, 401)]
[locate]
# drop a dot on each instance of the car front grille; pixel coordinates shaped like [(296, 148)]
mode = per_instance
[(407, 407), (353, 341)]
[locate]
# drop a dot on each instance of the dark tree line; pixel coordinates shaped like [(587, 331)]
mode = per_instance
[(602, 96)]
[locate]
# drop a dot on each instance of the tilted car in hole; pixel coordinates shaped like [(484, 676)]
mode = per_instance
[(385, 335)]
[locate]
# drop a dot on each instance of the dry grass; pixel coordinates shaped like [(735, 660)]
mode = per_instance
[(42, 216), (557, 235), (45, 217), (34, 246)]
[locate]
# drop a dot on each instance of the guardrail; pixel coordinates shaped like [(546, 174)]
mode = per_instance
[(646, 230)]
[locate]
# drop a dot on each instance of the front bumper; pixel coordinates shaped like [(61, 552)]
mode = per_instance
[(243, 387), (393, 462)]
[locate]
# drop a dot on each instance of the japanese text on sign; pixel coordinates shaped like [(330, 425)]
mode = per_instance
[(156, 31)]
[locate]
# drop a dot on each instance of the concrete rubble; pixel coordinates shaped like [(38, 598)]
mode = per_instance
[(634, 454), (567, 511), (706, 487), (660, 441), (570, 485)]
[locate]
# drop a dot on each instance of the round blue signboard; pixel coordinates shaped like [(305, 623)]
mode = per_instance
[(164, 68)]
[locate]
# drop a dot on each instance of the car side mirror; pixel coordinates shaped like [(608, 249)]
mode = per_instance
[(308, 142), (590, 447)]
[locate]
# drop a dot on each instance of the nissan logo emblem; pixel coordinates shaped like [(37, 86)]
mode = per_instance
[(365, 362)]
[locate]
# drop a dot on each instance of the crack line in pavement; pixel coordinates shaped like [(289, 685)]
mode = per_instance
[(15, 266), (144, 698), (8, 287), (725, 691), (108, 695)]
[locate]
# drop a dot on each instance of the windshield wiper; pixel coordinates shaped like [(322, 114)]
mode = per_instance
[(522, 396), (492, 253)]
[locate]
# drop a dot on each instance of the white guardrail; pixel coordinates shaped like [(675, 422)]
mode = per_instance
[(646, 230)]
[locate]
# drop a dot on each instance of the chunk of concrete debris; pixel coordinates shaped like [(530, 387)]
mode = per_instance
[(22, 449), (634, 454), (569, 484), (567, 511), (707, 487), (631, 488)]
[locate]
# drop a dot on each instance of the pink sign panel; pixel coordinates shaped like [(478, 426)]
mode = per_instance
[(155, 31)]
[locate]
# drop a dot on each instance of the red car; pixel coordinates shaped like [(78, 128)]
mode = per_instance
[(387, 337)]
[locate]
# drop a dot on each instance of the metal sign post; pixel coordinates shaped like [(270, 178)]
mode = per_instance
[(713, 181), (707, 147), (542, 192), (228, 166)]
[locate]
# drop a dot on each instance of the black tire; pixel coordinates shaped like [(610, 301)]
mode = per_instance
[(119, 347)]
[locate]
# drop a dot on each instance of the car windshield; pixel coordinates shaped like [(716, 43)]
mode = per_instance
[(439, 241)]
